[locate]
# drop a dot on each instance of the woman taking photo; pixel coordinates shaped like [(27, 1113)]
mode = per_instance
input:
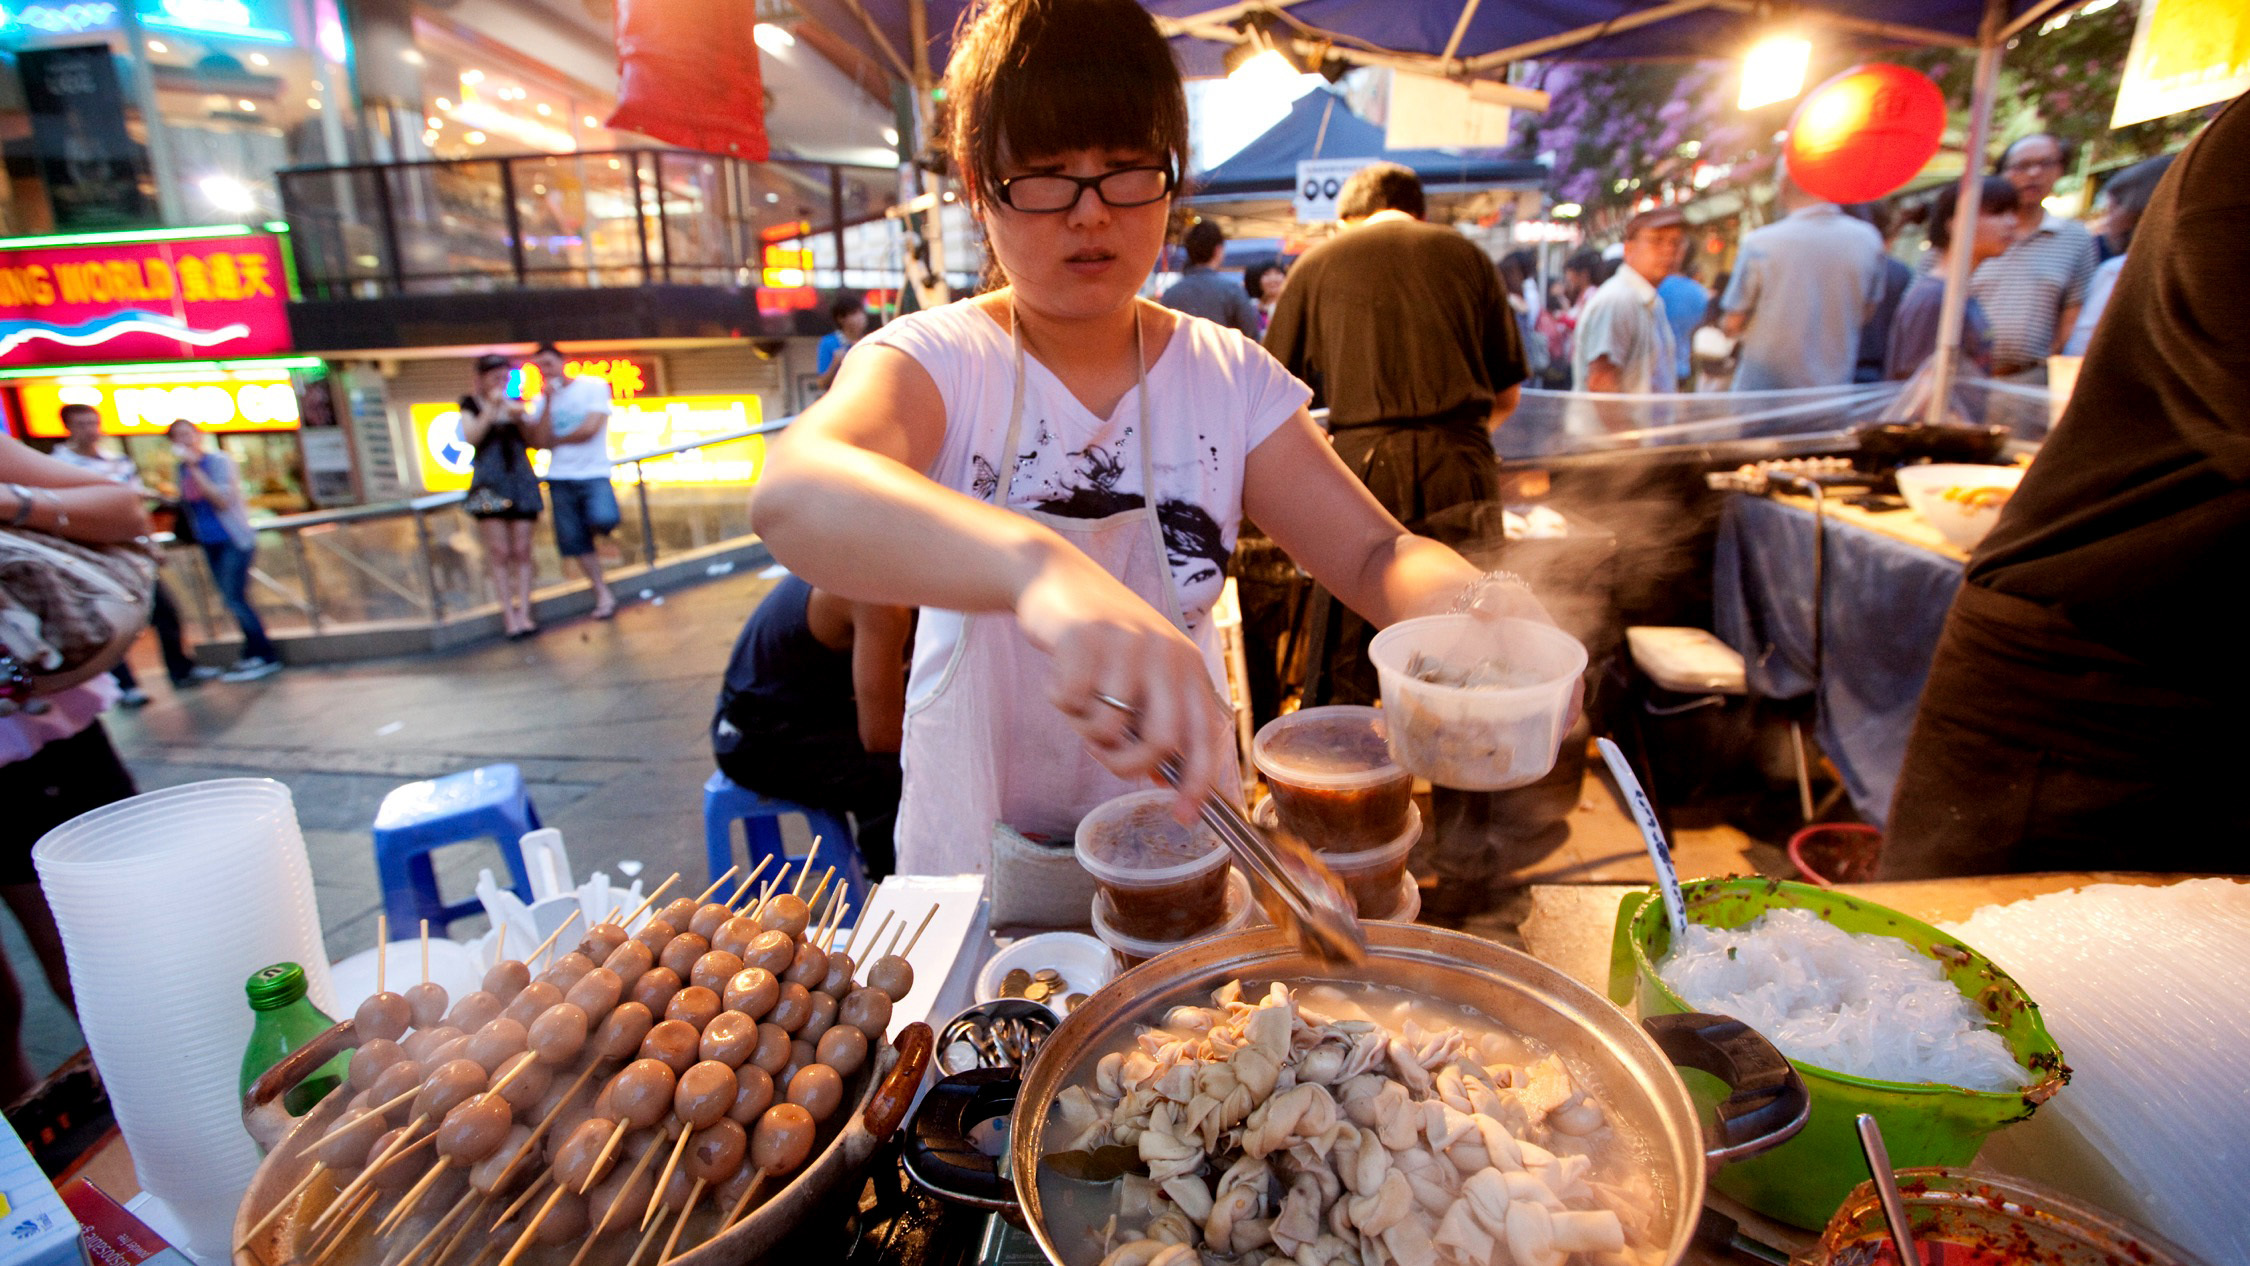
[(1055, 470), (503, 491)]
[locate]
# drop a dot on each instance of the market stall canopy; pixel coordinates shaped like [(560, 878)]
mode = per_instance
[(1321, 125), (1455, 36)]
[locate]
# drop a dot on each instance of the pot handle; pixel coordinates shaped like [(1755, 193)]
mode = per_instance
[(263, 1113), (1768, 1102), (886, 1109), (940, 1155)]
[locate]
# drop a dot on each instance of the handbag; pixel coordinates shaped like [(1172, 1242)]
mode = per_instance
[(69, 610)]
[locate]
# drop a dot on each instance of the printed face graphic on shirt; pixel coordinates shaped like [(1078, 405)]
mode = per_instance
[(1084, 484)]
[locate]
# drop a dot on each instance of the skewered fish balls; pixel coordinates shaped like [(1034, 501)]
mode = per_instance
[(820, 1019), (752, 991), (693, 1005), (656, 988), (783, 1138), (396, 1080), (629, 961), (656, 934), (788, 913), (383, 1017), (620, 1034), (426, 1002), (474, 1129), (575, 1159), (531, 1001), (473, 1010), (421, 1042), (369, 1061), (838, 981), (347, 1146), (809, 966), (641, 1093), (704, 1093), (678, 912), (714, 969), (507, 1167), (601, 940), (818, 1089), (497, 1043), (843, 1048), (672, 1043), (891, 974), (559, 1034), (753, 1094), (773, 950), (735, 935), (680, 953), (716, 1151), (772, 1051), (707, 919), (868, 1010), (447, 1086), (567, 971), (595, 992), (505, 979), (792, 1008)]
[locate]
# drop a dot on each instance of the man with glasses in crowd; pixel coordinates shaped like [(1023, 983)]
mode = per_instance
[(2032, 294)]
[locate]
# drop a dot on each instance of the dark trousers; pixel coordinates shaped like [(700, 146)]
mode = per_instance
[(164, 617), (2038, 748), (230, 570), (825, 771)]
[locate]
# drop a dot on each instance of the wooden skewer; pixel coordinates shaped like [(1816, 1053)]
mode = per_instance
[(741, 1203), (922, 928), (601, 1228), (523, 1241), (751, 879), (594, 1171), (438, 1228), (765, 894), (805, 872), (648, 901), (355, 1122), (647, 1237), (398, 1150), (500, 947), (382, 947), (656, 1197), (318, 1168), (821, 887), (547, 944), (541, 1131), (672, 1241), (343, 1229), (510, 1075), (716, 884), (453, 1241), (425, 951), (836, 912), (877, 937), (819, 920), (861, 921), (413, 1196), (489, 1250), (315, 1237), (892, 947), (530, 1193)]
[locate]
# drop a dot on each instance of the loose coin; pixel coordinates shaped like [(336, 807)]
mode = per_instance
[(1037, 991), (1047, 975), (1014, 984), (1071, 1003)]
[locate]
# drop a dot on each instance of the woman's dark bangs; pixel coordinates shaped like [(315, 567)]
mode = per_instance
[(1084, 79)]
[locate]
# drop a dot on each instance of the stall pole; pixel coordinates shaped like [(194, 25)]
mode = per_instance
[(1958, 261), (648, 529)]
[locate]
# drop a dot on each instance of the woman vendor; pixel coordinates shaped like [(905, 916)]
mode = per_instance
[(1056, 469)]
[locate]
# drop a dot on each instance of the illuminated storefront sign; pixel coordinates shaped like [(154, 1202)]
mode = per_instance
[(146, 408), (115, 300), (227, 19), (56, 19), (626, 376), (635, 426)]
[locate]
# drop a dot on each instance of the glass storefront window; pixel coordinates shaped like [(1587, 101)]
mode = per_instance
[(481, 102)]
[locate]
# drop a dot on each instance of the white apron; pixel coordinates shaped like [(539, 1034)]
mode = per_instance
[(986, 747)]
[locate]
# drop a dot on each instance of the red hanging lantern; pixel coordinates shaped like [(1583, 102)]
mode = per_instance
[(1865, 132), (688, 74)]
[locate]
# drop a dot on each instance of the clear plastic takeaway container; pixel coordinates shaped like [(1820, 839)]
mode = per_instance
[(1163, 880), (1334, 782), (1371, 875), (1236, 912), (1478, 737)]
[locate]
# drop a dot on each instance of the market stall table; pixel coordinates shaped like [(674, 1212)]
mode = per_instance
[(1886, 582)]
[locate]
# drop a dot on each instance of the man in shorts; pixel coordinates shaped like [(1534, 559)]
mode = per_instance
[(571, 419)]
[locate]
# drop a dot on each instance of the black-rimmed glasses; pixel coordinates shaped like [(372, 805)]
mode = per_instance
[(1048, 193)]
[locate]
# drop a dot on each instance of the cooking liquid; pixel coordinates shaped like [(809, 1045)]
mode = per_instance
[(1077, 1215)]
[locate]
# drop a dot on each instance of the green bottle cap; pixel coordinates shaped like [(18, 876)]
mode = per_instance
[(271, 988)]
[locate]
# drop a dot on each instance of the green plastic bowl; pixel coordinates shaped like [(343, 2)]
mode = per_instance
[(1803, 1181)]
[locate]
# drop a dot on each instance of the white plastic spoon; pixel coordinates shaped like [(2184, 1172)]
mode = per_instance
[(1644, 817)]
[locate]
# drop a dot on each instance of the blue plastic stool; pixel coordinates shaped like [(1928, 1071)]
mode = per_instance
[(725, 803), (420, 818)]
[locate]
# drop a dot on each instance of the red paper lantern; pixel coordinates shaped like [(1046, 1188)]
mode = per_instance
[(1865, 132), (688, 74)]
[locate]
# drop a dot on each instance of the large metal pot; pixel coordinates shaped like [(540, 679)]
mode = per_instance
[(880, 1095), (1629, 1066)]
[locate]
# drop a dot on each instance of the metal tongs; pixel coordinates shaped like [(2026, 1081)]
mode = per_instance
[(1316, 911)]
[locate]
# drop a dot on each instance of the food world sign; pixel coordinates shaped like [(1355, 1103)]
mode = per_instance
[(193, 299)]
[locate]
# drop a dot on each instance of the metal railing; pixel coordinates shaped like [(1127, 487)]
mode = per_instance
[(606, 218), (419, 562)]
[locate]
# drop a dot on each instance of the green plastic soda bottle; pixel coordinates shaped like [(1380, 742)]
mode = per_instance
[(284, 1020)]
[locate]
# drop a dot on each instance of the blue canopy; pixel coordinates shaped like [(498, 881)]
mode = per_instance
[(1320, 125), (1432, 35)]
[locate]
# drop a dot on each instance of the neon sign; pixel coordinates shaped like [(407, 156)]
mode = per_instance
[(60, 19), (230, 19), (634, 427), (142, 300), (626, 377), (147, 407)]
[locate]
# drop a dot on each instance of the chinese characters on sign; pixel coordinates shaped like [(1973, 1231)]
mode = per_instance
[(165, 300)]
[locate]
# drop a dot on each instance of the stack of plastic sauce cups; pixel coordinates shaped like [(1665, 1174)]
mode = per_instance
[(1160, 885), (1336, 788), (166, 903)]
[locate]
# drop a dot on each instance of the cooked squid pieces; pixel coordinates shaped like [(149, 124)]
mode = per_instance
[(1367, 1128)]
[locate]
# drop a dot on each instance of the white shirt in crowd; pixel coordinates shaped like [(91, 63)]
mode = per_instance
[(1213, 395), (579, 403)]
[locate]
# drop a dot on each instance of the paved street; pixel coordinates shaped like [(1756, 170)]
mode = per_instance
[(606, 720)]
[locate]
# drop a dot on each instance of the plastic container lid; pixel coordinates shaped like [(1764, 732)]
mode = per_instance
[(1342, 747), (1173, 852), (1240, 908), (1477, 738)]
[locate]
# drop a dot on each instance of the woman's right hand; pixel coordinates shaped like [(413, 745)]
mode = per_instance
[(1106, 641)]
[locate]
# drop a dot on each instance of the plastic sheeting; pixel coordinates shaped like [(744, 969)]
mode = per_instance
[(1565, 423), (1885, 603)]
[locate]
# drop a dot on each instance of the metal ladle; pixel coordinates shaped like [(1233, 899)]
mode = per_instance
[(1886, 1189), (1317, 913)]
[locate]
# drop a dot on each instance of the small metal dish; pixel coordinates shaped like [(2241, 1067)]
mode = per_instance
[(1003, 1033)]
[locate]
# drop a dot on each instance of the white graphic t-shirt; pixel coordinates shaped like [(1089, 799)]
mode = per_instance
[(1213, 395), (574, 404)]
